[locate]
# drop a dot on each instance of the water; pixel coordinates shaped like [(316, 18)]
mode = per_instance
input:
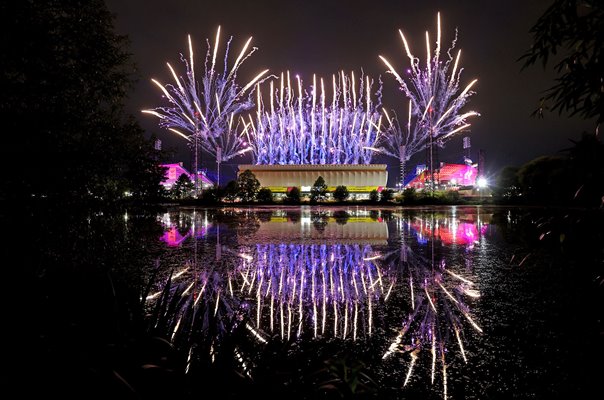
[(320, 302), (452, 302)]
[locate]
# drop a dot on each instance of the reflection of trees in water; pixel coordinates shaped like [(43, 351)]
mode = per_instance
[(437, 300), (341, 217), (319, 220)]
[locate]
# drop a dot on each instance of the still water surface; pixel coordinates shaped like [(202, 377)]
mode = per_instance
[(451, 302)]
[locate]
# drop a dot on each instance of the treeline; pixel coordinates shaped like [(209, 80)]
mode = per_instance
[(246, 189), (65, 75), (574, 177)]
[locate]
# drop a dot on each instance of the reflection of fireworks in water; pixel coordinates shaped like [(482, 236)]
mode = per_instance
[(298, 291), (438, 308), (329, 288)]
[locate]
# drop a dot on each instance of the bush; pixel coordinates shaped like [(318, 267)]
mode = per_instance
[(409, 196), (265, 195), (387, 195), (293, 195), (452, 197), (318, 190), (213, 195), (341, 193), (374, 196)]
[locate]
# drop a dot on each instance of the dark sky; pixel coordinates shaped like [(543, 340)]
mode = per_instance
[(324, 37)]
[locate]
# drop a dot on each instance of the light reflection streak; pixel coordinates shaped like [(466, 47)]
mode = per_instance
[(298, 291), (333, 285), (438, 311)]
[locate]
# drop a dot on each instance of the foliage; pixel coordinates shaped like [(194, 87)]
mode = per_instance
[(293, 195), (347, 378), (573, 177), (374, 196), (341, 193), (507, 186), (318, 191), (247, 185), (409, 196), (230, 191), (387, 195), (451, 197), (265, 195), (341, 217), (213, 195), (586, 161), (182, 188), (570, 32), (65, 80), (542, 180)]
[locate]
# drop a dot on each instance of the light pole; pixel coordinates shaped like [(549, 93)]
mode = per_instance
[(218, 161), (401, 156), (196, 162), (431, 143)]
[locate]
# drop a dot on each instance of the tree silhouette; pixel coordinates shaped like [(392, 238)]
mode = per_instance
[(341, 193), (318, 191), (247, 185), (570, 31), (64, 82)]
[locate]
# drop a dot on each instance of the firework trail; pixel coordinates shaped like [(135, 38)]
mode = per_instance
[(402, 142), (304, 126), (202, 108), (436, 99)]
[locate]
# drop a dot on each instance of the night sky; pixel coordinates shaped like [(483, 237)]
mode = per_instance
[(324, 37)]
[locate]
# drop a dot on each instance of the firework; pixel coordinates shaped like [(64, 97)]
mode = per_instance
[(202, 108), (304, 126), (436, 100), (403, 142)]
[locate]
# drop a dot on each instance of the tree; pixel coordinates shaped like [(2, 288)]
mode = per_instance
[(409, 196), (143, 173), (247, 185), (387, 195), (213, 195), (545, 180), (293, 195), (341, 193), (571, 31), (507, 187), (64, 82), (586, 161), (318, 191), (182, 188), (231, 191), (265, 195), (341, 217)]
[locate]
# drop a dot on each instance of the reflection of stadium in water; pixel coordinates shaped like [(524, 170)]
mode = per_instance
[(315, 273), (306, 274)]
